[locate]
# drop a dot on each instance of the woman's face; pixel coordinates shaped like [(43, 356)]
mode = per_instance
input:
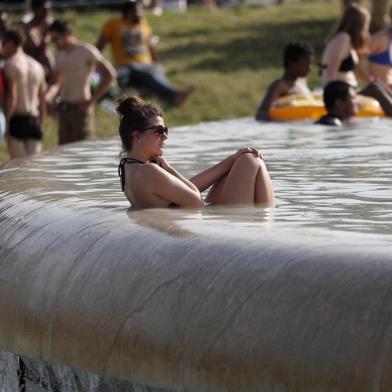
[(153, 136)]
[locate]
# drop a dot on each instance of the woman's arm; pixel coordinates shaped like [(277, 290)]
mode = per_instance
[(361, 70), (171, 187), (210, 176), (170, 169), (378, 42)]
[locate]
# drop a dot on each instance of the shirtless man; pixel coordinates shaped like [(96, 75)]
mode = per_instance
[(24, 98), (298, 57), (36, 32), (74, 66)]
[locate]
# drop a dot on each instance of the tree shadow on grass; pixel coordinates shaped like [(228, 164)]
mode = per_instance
[(261, 45)]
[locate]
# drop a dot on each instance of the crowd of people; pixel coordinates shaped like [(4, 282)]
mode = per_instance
[(148, 180), (349, 53), (35, 81)]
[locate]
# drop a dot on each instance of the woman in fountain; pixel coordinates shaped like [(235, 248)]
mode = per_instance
[(340, 57), (149, 181)]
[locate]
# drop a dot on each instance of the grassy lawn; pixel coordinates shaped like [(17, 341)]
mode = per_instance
[(230, 55)]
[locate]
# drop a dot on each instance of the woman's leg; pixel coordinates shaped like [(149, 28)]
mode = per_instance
[(247, 182), (215, 191), (264, 191), (380, 94)]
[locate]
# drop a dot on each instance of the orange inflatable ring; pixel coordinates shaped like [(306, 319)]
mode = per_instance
[(300, 108)]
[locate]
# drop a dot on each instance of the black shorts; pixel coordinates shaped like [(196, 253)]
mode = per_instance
[(25, 127)]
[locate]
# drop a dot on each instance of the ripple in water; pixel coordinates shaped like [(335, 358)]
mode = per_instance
[(339, 179)]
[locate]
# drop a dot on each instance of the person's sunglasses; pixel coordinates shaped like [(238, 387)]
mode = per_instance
[(158, 129)]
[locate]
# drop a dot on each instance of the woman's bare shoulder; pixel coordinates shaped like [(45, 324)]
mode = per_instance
[(339, 45), (342, 38), (151, 173)]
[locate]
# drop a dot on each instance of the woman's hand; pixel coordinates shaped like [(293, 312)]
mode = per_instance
[(162, 162), (248, 150)]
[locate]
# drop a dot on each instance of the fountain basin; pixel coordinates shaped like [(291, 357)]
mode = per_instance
[(224, 299)]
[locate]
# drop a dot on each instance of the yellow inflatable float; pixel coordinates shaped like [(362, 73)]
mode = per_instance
[(299, 108)]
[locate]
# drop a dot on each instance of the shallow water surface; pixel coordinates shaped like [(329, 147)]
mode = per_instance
[(329, 178), (71, 244)]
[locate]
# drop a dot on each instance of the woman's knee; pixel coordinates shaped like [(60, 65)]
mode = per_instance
[(379, 93), (373, 89), (248, 159), (247, 162)]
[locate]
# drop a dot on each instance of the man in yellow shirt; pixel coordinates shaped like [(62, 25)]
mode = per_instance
[(134, 55)]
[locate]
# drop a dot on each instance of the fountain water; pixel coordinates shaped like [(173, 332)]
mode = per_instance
[(94, 296)]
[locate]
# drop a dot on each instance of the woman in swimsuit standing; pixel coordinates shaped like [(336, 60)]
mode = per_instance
[(149, 181), (340, 57), (380, 58)]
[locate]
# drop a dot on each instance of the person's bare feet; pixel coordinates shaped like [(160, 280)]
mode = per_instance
[(182, 95)]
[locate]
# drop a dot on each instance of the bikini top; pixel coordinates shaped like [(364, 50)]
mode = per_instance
[(121, 173), (383, 58), (121, 169), (348, 64)]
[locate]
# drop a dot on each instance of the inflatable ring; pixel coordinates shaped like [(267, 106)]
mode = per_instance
[(300, 108)]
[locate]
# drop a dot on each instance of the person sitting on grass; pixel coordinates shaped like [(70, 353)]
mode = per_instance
[(149, 181), (340, 102), (297, 59), (134, 55)]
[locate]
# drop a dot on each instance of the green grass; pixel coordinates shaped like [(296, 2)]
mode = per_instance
[(230, 55)]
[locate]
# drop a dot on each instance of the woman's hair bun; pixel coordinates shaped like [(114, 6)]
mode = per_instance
[(127, 105)]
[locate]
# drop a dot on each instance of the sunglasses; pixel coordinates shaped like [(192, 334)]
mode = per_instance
[(158, 129)]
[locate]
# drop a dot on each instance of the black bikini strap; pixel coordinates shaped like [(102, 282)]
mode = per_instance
[(121, 169)]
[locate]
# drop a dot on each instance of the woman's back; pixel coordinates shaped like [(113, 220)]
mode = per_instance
[(141, 186)]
